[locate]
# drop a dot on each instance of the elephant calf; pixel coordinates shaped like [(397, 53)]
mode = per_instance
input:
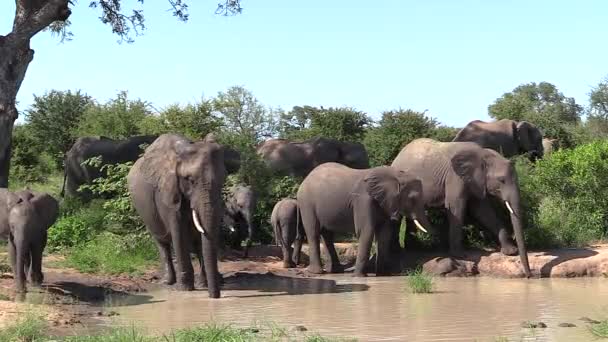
[(238, 216), (335, 198), (287, 230), (25, 217)]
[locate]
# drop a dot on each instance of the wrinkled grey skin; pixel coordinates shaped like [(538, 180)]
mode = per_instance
[(300, 158), (111, 151), (507, 137), (25, 217), (550, 145), (459, 176), (288, 230), (175, 182), (335, 198), (238, 216)]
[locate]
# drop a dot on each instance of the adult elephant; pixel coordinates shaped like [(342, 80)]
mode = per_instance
[(111, 152), (176, 188), (25, 217), (288, 230), (335, 198), (238, 216), (299, 158), (460, 177), (508, 137)]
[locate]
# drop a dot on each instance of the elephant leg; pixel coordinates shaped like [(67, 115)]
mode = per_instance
[(313, 231), (184, 272), (297, 248), (383, 254), (328, 240), (164, 250), (20, 261), (364, 226), (36, 275), (12, 255), (285, 243), (485, 214), (456, 213)]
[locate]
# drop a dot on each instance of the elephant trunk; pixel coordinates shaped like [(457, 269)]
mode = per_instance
[(209, 220), (512, 202), (250, 229)]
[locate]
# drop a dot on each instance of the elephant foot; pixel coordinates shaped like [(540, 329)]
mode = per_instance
[(168, 280), (184, 287), (315, 269), (508, 250), (336, 268), (359, 274)]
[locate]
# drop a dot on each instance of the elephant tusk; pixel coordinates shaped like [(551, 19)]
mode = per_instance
[(509, 207), (197, 223), (420, 226), (232, 229)]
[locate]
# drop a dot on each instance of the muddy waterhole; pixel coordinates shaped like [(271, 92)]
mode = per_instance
[(381, 309)]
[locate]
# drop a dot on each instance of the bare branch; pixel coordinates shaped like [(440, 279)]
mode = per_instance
[(229, 7), (32, 16)]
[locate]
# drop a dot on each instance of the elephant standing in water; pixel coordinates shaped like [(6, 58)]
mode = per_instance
[(238, 217), (508, 137), (288, 230), (25, 217), (176, 188), (335, 198), (299, 158), (460, 177), (111, 152)]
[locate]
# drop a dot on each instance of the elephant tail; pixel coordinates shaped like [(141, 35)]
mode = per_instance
[(299, 228)]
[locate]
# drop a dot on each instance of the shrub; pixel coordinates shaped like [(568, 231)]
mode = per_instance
[(76, 226)]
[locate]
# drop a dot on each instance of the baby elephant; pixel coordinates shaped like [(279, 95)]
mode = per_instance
[(287, 230), (25, 217), (335, 198)]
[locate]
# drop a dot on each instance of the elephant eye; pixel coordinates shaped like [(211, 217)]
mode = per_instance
[(501, 179)]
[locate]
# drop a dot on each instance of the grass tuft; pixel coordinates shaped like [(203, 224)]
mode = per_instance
[(29, 327), (600, 330), (419, 281)]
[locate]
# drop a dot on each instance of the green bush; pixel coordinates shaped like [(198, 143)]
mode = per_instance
[(565, 196), (76, 225)]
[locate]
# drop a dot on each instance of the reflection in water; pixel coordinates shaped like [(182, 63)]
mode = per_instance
[(381, 308)]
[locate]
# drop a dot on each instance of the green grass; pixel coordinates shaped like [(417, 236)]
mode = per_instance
[(419, 281), (600, 330), (108, 253), (52, 185), (32, 327)]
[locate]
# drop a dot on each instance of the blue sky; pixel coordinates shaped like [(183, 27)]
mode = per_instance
[(451, 57)]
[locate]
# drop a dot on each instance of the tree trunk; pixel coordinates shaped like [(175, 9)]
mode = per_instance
[(14, 60)]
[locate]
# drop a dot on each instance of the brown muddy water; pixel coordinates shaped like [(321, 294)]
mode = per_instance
[(381, 309)]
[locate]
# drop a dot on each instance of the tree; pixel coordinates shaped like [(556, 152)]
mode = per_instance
[(34, 16), (342, 123), (597, 119), (193, 120), (396, 129), (53, 118), (119, 118), (543, 105)]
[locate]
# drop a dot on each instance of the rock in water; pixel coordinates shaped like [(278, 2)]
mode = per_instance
[(533, 325), (567, 325)]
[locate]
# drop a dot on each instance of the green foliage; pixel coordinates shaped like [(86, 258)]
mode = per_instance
[(76, 225), (444, 133), (395, 130), (343, 123), (109, 253), (419, 281), (119, 118), (599, 330), (30, 326), (52, 120), (120, 217), (565, 196), (193, 121), (28, 164)]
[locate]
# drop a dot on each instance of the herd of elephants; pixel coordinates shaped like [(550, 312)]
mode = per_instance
[(176, 187)]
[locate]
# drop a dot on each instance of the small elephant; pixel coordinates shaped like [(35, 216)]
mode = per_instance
[(111, 152), (460, 177), (176, 188), (25, 217), (299, 158), (335, 198), (238, 216), (288, 230), (507, 137)]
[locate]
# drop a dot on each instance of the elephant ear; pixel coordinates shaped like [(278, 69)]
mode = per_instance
[(12, 199), (383, 186), (471, 168), (524, 129), (169, 191)]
